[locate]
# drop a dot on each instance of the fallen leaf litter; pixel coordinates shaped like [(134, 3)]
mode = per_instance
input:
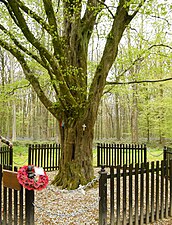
[(77, 207)]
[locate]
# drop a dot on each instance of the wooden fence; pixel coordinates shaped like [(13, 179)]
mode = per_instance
[(120, 154), (135, 196), (6, 155), (46, 156), (16, 203), (167, 153)]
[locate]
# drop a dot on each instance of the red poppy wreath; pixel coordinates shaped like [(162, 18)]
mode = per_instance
[(31, 179)]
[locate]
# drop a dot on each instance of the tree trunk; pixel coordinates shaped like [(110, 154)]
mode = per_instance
[(161, 117), (76, 165), (118, 131), (34, 119), (14, 122), (134, 117)]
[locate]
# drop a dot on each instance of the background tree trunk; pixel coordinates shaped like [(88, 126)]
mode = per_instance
[(14, 122), (118, 130)]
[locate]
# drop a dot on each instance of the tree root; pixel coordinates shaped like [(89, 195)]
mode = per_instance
[(71, 178)]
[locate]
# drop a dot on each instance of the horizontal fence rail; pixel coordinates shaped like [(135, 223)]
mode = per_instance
[(120, 154), (6, 155), (46, 156), (135, 196), (16, 203)]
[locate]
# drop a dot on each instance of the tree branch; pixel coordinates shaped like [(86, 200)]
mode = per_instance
[(35, 57), (139, 81), (29, 75), (16, 88), (10, 11), (108, 9), (53, 27), (33, 15), (110, 51), (89, 18), (42, 62), (158, 17), (137, 10), (29, 35), (141, 58), (21, 47), (43, 52)]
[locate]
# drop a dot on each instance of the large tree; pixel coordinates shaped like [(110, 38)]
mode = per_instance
[(53, 37)]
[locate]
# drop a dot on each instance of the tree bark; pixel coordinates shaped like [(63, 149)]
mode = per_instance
[(76, 164)]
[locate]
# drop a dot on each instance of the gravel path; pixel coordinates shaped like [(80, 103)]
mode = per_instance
[(78, 207), (55, 206), (163, 222)]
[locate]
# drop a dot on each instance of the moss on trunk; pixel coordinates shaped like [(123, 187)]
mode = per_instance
[(71, 176), (76, 165)]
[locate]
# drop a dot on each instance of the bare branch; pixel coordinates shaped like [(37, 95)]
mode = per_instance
[(137, 10), (141, 58), (108, 9), (161, 18), (139, 81), (16, 88), (10, 11)]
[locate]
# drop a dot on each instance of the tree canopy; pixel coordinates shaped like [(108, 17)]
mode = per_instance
[(60, 47)]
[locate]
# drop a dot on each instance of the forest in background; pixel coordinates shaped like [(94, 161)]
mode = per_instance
[(137, 102)]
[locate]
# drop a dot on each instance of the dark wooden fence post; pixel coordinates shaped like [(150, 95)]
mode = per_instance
[(11, 156), (29, 207), (58, 148), (165, 153), (145, 154), (103, 197), (112, 195), (29, 155), (98, 154)]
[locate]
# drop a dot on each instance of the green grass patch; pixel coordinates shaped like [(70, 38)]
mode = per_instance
[(154, 154), (20, 156)]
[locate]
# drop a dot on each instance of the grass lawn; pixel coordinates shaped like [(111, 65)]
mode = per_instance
[(20, 156), (154, 154)]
